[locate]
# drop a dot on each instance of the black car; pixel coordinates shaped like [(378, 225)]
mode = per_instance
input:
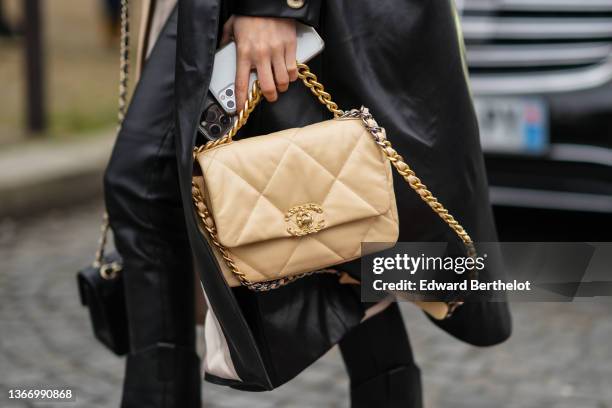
[(541, 75)]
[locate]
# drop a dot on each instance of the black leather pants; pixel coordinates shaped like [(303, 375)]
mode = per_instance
[(146, 215), (143, 201)]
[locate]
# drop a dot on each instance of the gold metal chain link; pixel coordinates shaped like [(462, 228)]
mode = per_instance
[(310, 80), (378, 133)]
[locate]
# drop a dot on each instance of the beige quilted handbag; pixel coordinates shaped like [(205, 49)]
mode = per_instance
[(284, 205)]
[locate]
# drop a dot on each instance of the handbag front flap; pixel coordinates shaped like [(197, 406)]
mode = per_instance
[(295, 182)]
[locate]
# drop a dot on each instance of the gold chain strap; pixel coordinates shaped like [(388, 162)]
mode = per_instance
[(310, 81), (124, 61), (111, 270), (378, 133)]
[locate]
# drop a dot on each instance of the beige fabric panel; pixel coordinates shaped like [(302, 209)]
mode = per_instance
[(150, 27), (163, 8)]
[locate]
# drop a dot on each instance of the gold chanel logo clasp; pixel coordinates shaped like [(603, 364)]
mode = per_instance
[(304, 219)]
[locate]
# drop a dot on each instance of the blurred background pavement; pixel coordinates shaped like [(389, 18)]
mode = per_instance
[(558, 357)]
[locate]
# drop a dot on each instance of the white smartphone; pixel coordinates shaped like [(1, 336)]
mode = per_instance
[(309, 45)]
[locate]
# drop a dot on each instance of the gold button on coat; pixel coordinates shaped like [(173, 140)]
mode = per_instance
[(296, 4)]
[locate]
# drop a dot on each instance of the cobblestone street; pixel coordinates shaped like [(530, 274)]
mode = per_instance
[(560, 355)]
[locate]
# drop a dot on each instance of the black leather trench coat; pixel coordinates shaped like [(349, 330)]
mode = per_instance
[(403, 60)]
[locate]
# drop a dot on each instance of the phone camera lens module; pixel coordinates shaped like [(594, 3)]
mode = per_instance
[(211, 116), (224, 120), (215, 130), (230, 104), (229, 92)]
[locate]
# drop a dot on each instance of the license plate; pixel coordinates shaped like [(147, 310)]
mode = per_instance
[(513, 125)]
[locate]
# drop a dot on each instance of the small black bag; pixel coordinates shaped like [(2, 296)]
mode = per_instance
[(101, 290)]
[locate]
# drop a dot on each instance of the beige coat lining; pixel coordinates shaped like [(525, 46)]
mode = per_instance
[(153, 16)]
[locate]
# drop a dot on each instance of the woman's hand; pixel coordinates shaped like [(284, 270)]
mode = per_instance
[(267, 44)]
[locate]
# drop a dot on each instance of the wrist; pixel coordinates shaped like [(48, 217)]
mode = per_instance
[(306, 11)]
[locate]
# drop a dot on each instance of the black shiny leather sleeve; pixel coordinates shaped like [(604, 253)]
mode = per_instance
[(308, 13)]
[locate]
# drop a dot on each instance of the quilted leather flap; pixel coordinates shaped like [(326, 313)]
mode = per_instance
[(295, 181)]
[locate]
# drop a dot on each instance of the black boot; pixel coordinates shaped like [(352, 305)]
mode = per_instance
[(398, 388), (162, 376), (378, 359)]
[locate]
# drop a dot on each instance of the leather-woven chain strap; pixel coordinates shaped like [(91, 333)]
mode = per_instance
[(111, 270), (380, 137), (378, 133)]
